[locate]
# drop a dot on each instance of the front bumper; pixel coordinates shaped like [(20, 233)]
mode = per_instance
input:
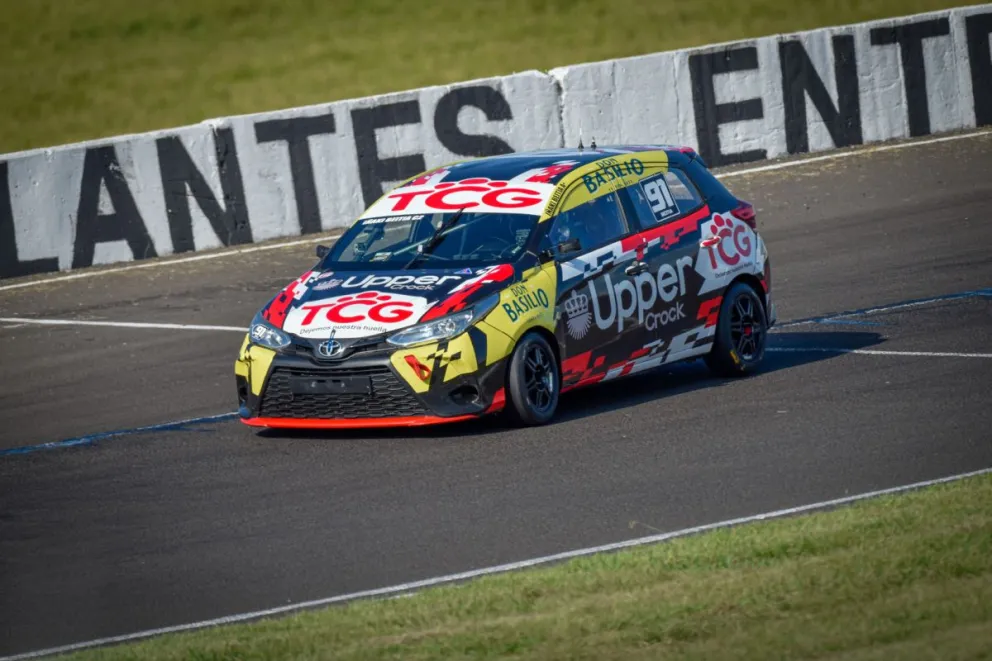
[(358, 423), (273, 398)]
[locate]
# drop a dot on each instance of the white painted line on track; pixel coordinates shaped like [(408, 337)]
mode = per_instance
[(119, 324), (164, 262), (977, 293), (867, 149), (879, 352), (498, 569), (22, 321), (240, 329), (864, 149)]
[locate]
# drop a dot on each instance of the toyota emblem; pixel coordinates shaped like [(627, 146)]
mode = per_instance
[(329, 348)]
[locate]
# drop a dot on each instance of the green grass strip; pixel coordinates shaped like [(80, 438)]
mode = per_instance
[(78, 69), (906, 576)]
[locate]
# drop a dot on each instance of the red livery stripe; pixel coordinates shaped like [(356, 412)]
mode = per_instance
[(353, 423)]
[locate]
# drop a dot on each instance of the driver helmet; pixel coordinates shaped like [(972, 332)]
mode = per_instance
[(562, 233)]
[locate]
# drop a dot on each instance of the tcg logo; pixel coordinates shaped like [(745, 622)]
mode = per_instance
[(468, 194), (733, 242), (387, 309)]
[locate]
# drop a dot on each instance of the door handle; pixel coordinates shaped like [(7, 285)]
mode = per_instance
[(636, 268), (709, 241)]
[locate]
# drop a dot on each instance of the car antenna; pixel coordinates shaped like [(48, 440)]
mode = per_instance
[(580, 140)]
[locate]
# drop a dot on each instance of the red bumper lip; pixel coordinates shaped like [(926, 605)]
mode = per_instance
[(499, 401), (354, 423)]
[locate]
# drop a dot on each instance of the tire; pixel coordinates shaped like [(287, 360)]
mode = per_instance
[(741, 333), (533, 381)]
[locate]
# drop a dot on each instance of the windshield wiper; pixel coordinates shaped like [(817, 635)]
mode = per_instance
[(431, 243)]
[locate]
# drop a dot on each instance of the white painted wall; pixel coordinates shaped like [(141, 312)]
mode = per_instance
[(254, 177)]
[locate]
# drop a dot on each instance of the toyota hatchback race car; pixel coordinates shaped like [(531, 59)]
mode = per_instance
[(499, 283)]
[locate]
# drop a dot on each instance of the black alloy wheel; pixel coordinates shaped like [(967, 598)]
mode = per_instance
[(533, 381), (747, 327), (539, 377), (741, 333)]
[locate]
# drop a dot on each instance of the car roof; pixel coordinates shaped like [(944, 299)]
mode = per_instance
[(541, 177), (505, 167)]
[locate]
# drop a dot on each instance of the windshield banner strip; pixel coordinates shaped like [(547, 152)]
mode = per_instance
[(477, 195)]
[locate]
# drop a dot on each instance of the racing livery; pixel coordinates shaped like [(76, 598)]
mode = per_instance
[(499, 283)]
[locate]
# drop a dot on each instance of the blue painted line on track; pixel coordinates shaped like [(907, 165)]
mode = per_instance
[(183, 425), (179, 425), (850, 322)]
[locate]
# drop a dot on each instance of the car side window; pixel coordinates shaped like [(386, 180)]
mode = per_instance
[(663, 197), (594, 223)]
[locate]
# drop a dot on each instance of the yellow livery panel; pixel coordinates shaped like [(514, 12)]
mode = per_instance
[(602, 177), (253, 363), (527, 304), (419, 366)]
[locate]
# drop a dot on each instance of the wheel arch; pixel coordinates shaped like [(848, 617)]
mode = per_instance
[(754, 283), (551, 339), (518, 406)]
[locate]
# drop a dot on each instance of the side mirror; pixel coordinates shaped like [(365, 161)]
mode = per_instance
[(322, 251), (572, 245)]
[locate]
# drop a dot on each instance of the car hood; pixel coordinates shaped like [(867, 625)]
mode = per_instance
[(356, 304)]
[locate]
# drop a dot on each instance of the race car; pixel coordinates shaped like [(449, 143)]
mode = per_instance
[(499, 283)]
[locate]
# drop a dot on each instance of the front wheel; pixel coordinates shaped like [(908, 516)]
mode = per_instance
[(741, 333), (533, 381)]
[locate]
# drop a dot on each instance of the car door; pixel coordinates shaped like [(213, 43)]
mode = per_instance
[(667, 209), (595, 294)]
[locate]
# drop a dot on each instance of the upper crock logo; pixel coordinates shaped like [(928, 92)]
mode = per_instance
[(423, 282)]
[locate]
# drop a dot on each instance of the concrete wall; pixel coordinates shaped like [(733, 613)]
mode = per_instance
[(253, 177)]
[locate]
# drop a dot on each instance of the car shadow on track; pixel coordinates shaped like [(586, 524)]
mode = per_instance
[(679, 378), (660, 383)]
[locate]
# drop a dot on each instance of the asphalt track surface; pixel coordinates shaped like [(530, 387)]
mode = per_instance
[(190, 522)]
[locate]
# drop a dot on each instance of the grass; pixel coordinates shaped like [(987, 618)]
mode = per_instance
[(905, 577), (79, 69)]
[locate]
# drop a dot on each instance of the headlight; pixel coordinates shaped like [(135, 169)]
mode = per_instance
[(267, 335), (445, 327)]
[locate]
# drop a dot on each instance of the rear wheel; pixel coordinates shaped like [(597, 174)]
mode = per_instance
[(532, 381), (741, 333)]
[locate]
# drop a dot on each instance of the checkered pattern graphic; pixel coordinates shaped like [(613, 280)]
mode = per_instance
[(439, 360), (442, 354), (594, 263), (664, 236), (693, 342), (706, 341)]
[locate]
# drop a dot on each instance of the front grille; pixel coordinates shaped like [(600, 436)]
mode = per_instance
[(389, 398), (302, 348)]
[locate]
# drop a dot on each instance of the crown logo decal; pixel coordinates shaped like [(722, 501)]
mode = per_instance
[(579, 317), (576, 304)]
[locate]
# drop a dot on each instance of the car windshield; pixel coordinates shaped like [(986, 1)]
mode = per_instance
[(470, 240)]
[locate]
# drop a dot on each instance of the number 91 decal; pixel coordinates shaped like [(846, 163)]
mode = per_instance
[(659, 197)]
